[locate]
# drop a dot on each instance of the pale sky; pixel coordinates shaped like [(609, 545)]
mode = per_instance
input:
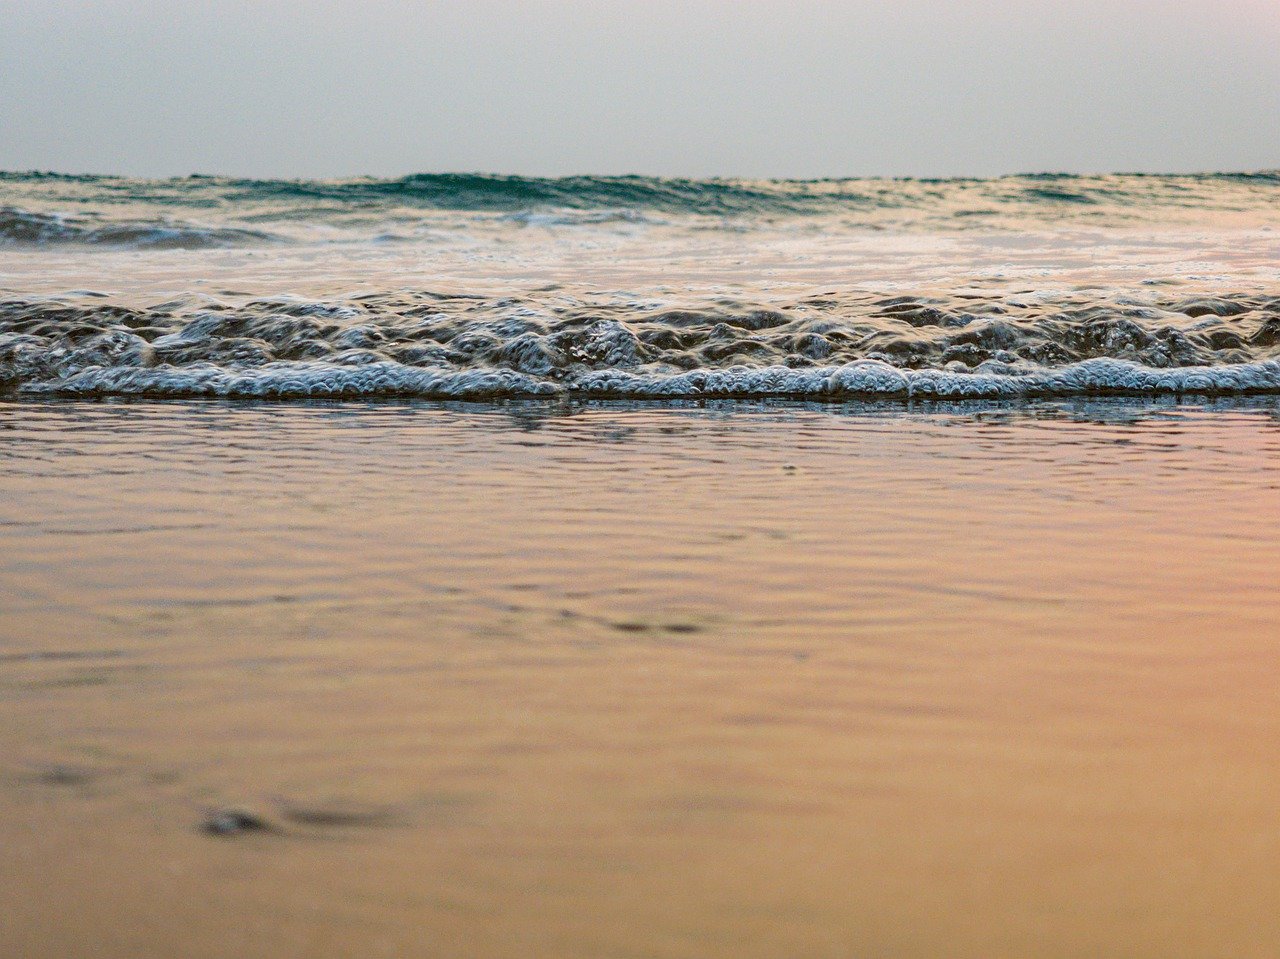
[(800, 88)]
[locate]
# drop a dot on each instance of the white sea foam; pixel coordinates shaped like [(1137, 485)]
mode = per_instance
[(639, 287), (419, 344), (862, 379)]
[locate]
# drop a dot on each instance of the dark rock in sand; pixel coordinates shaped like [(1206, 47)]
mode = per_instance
[(231, 822), (66, 776)]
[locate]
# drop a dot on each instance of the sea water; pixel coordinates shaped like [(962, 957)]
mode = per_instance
[(480, 566), (475, 287)]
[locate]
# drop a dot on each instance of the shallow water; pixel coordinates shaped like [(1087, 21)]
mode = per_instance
[(471, 287), (553, 679)]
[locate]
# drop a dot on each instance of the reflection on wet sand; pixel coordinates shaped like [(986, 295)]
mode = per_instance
[(596, 680)]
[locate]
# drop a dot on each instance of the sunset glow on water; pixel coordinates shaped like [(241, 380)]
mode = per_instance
[(680, 479), (727, 681)]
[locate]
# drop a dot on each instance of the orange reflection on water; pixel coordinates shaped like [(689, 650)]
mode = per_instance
[(732, 681)]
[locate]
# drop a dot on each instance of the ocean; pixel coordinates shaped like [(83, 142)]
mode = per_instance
[(476, 566), (480, 287)]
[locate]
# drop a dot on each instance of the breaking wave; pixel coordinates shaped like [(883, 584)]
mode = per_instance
[(636, 287), (861, 379), (1011, 202), (25, 227), (439, 345)]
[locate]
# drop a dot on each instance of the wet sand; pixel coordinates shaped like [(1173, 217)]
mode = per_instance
[(725, 680)]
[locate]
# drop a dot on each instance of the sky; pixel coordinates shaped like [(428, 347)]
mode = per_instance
[(783, 88)]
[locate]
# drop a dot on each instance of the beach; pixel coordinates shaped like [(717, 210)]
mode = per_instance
[(687, 479), (627, 567), (716, 678)]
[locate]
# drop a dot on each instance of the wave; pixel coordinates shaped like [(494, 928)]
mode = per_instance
[(420, 343), (960, 203), (864, 379), (32, 228)]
